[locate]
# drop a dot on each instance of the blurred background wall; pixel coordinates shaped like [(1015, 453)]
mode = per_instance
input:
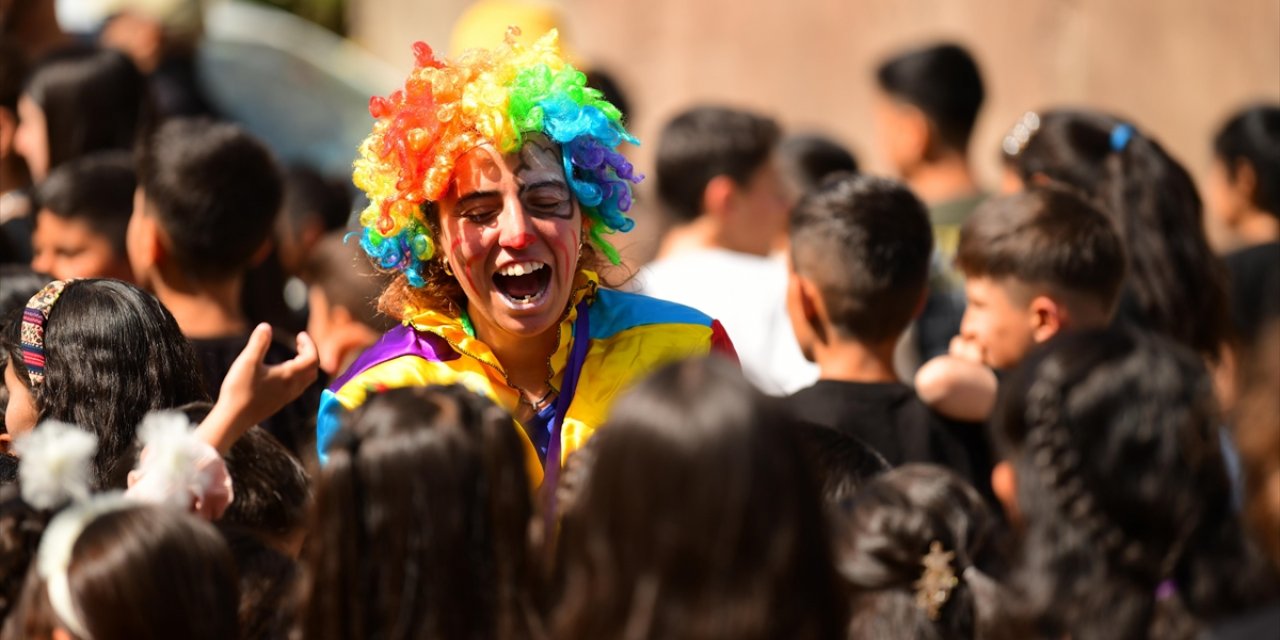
[(1176, 67)]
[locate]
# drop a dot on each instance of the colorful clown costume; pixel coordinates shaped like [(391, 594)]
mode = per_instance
[(628, 336)]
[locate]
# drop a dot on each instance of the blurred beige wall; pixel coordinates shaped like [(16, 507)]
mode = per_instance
[(1176, 67)]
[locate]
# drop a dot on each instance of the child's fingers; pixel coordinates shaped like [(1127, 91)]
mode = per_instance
[(308, 356), (259, 342)]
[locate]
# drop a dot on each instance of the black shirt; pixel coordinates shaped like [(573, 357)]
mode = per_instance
[(1255, 288), (294, 425), (895, 422)]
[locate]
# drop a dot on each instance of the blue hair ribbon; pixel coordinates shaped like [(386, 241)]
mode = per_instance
[(1121, 134)]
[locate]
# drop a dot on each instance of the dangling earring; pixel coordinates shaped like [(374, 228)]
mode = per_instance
[(448, 271)]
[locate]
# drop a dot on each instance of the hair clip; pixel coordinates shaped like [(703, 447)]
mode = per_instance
[(1121, 134), (1016, 140), (31, 337), (934, 587)]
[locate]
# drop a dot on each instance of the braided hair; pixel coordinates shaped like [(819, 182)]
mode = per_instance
[(896, 520), (1128, 524)]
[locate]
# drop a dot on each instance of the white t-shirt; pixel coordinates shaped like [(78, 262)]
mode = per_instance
[(748, 295)]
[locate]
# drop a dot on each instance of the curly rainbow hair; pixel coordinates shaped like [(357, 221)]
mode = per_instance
[(493, 97)]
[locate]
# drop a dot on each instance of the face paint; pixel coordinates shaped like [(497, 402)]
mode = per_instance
[(512, 228)]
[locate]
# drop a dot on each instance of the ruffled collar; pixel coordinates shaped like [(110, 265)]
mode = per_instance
[(457, 332)]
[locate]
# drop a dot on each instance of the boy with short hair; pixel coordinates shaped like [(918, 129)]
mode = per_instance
[(860, 249), (926, 107), (1035, 264), (207, 199), (342, 294), (717, 176), (83, 211)]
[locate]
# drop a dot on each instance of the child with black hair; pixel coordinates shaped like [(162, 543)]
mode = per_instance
[(1243, 192), (78, 102), (1112, 466), (1035, 264), (925, 111), (97, 353), (342, 293), (113, 569), (313, 206), (425, 505), (719, 179), (263, 527), (272, 489), (208, 195), (699, 519), (1174, 285), (917, 550), (859, 265), (805, 160), (83, 212)]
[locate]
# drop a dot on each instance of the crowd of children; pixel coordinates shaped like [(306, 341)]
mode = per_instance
[(837, 405)]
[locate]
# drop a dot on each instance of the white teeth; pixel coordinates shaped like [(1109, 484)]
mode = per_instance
[(520, 268)]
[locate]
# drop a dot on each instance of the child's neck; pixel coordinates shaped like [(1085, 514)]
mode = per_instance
[(203, 310), (946, 178), (846, 360), (1257, 227)]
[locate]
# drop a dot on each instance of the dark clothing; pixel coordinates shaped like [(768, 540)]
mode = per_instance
[(895, 422), (1262, 623), (294, 426), (1254, 274)]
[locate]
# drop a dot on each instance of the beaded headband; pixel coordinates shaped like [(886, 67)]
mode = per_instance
[(34, 318)]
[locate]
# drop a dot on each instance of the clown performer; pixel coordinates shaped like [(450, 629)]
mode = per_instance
[(493, 181)]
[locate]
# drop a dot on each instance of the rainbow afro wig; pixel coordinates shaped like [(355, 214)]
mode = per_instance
[(496, 97)]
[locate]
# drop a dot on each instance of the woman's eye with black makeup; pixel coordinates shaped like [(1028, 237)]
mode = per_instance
[(546, 200)]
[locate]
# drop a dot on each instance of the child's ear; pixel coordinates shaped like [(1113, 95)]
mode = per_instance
[(813, 306), (1047, 318), (1004, 482), (917, 135), (143, 240), (6, 443), (8, 125), (1245, 183), (718, 196)]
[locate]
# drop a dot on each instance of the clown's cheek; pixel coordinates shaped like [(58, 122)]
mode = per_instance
[(469, 263)]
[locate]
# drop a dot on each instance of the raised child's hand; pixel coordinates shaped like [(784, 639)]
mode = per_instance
[(253, 391)]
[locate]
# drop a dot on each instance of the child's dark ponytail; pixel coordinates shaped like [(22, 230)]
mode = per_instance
[(1176, 285)]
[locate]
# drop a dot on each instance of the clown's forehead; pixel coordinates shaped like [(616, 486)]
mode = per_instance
[(539, 160)]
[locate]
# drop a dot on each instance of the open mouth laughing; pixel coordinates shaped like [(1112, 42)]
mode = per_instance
[(523, 284)]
